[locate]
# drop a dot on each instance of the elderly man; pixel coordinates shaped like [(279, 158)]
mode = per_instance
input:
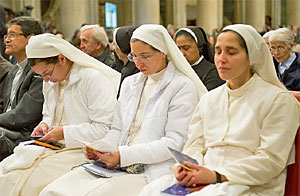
[(22, 96), (281, 44), (94, 42), (80, 97)]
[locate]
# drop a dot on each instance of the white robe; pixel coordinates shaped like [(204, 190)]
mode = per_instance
[(246, 134), (89, 102), (165, 123)]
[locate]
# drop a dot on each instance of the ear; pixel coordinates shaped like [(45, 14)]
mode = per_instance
[(62, 59), (99, 44)]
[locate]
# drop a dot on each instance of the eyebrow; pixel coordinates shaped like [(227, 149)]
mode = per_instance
[(227, 47)]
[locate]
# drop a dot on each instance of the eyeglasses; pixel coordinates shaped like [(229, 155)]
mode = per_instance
[(48, 74), (278, 49), (131, 57), (13, 35)]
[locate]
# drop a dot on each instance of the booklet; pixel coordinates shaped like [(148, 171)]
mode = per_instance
[(177, 189), (100, 145), (39, 143), (180, 158), (99, 169)]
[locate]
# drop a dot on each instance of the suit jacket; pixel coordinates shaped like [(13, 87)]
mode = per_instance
[(5, 66), (27, 105)]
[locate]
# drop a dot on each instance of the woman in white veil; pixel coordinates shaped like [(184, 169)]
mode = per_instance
[(241, 133), (155, 107)]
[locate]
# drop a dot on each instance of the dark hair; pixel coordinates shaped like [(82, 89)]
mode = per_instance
[(241, 40), (28, 25), (48, 60), (186, 34)]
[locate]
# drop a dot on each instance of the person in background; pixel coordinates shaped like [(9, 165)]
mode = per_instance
[(193, 44), (22, 96), (288, 70), (247, 149), (121, 43), (94, 42), (80, 98), (155, 109), (5, 66)]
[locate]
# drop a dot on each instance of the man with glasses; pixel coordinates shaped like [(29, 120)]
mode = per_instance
[(288, 70), (22, 96)]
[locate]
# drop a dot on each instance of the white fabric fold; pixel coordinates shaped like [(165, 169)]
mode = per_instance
[(23, 157), (48, 45)]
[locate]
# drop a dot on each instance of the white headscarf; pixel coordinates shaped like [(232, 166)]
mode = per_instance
[(158, 37), (48, 45), (260, 57)]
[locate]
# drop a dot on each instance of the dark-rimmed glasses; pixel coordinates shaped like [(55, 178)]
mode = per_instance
[(13, 35)]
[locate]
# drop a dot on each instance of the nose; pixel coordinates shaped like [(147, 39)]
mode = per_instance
[(138, 63), (81, 45), (222, 57), (182, 51)]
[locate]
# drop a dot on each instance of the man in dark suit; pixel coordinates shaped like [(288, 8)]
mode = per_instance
[(22, 96)]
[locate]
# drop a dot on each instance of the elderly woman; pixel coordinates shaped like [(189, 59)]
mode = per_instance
[(155, 109), (193, 44), (246, 151), (288, 70)]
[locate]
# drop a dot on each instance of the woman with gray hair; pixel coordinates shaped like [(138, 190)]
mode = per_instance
[(288, 70)]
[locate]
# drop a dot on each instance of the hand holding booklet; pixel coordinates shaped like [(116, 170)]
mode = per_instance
[(100, 145), (99, 169), (180, 158)]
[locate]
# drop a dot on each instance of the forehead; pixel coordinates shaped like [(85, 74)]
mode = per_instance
[(139, 47), (228, 39), (40, 67), (184, 38), (277, 43), (15, 28), (87, 34)]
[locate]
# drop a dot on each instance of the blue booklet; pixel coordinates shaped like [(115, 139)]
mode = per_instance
[(177, 189)]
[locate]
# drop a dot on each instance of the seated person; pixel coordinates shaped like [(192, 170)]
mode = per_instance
[(121, 43), (155, 108), (80, 97), (22, 96), (193, 44), (246, 150), (281, 44)]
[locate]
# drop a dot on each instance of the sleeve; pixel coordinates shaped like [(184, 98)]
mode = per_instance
[(101, 103), (278, 131), (195, 145), (28, 111), (181, 107)]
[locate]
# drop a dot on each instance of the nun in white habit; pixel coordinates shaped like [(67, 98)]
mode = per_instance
[(241, 133), (80, 97), (155, 109)]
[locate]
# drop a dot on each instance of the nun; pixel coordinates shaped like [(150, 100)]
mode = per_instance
[(80, 98), (155, 108), (242, 133), (193, 44)]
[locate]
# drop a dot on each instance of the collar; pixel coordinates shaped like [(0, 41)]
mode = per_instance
[(243, 89), (22, 65), (287, 63), (199, 60)]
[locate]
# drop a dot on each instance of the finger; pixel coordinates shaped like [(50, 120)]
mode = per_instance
[(46, 138), (191, 181), (185, 180), (191, 165)]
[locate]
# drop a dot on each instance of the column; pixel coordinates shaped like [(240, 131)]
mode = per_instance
[(93, 11), (255, 14), (179, 14), (276, 13), (210, 14), (147, 11), (292, 12), (36, 4), (240, 11), (73, 13)]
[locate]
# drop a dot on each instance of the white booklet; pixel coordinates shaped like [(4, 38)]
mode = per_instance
[(99, 169), (100, 145)]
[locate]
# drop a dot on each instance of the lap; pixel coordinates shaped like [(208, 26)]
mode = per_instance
[(81, 182)]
